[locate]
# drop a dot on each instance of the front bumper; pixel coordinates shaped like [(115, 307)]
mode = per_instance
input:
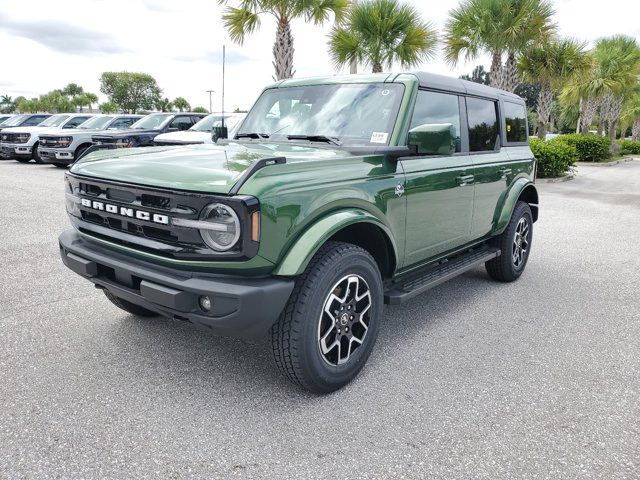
[(242, 306), (56, 155), (12, 150)]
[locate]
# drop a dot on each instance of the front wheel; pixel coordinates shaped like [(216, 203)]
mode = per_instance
[(36, 155), (330, 323), (514, 244)]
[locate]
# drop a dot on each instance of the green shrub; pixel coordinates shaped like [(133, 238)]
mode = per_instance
[(555, 157), (591, 148), (629, 147)]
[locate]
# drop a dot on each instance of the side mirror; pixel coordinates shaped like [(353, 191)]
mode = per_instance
[(433, 139), (219, 132)]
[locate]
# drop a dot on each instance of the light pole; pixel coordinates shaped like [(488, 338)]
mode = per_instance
[(210, 92)]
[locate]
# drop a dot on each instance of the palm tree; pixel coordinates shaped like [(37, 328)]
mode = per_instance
[(617, 61), (245, 19), (631, 115), (381, 32), (181, 104), (497, 27), (163, 104), (91, 99), (551, 65)]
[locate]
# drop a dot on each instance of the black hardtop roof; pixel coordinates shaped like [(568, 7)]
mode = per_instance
[(452, 84)]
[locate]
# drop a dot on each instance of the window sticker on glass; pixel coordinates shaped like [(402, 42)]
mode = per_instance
[(379, 137)]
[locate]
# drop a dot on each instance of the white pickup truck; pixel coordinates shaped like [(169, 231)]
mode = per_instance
[(201, 131), (62, 147), (21, 143)]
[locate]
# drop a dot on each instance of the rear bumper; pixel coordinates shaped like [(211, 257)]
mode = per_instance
[(242, 306)]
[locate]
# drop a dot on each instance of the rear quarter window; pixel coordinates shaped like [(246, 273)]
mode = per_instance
[(515, 117)]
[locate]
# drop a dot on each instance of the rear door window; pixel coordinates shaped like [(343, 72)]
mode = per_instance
[(483, 125)]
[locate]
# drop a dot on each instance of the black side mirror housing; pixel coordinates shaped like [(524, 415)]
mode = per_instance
[(219, 132), (433, 139)]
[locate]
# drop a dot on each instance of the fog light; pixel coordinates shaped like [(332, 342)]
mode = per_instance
[(205, 303)]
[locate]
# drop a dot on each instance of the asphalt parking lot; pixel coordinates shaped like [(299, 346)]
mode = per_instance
[(475, 379)]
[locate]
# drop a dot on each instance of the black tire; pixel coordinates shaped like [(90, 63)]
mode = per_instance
[(128, 306), (36, 155), (296, 336), (22, 160), (510, 265), (79, 152)]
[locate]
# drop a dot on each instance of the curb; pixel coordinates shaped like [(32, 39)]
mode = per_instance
[(606, 164), (566, 178)]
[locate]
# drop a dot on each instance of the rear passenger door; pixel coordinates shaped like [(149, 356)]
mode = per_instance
[(490, 163), (439, 188)]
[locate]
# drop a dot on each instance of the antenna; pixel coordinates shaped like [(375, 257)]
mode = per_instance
[(223, 62)]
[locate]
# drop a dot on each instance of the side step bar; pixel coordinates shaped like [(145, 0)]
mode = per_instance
[(404, 290)]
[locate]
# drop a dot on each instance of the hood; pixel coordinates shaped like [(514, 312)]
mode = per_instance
[(184, 136), (68, 132), (204, 168), (25, 129)]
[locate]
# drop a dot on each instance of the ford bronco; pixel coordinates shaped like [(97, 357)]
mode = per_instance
[(335, 195)]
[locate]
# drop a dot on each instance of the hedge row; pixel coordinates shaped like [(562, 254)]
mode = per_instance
[(591, 148), (629, 147), (555, 157)]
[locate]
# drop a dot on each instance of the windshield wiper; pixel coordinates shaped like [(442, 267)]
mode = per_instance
[(316, 138), (250, 135)]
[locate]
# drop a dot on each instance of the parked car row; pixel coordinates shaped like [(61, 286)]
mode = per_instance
[(63, 138)]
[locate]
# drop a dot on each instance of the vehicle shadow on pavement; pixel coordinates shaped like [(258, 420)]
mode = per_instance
[(194, 358)]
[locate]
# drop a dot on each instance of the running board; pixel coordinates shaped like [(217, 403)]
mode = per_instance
[(402, 291)]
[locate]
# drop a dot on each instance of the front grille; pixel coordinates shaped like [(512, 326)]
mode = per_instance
[(8, 137), (112, 213), (50, 142)]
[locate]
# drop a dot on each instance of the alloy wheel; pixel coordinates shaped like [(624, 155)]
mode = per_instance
[(344, 320), (521, 241)]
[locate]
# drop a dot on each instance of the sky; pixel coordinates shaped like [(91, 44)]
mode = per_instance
[(46, 45)]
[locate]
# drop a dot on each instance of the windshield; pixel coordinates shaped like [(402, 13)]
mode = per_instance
[(355, 114), (97, 123), (207, 123), (13, 121), (54, 121), (155, 120)]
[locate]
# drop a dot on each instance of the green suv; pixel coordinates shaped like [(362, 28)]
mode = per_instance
[(335, 195)]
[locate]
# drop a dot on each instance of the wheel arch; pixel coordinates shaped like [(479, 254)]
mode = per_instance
[(523, 190), (351, 226)]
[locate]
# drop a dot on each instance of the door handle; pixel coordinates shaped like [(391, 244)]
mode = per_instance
[(464, 180), (504, 172)]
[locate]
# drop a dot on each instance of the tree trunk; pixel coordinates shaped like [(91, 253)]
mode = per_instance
[(613, 126), (635, 131), (496, 76), (511, 78), (283, 50), (580, 109), (589, 108), (545, 102), (377, 67)]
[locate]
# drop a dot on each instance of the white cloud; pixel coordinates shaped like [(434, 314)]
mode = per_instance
[(178, 42)]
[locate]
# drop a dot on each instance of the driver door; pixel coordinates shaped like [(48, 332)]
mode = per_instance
[(439, 188)]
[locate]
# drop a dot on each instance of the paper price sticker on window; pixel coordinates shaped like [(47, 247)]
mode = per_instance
[(379, 137)]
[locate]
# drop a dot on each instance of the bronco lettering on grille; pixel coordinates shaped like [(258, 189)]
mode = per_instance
[(126, 211)]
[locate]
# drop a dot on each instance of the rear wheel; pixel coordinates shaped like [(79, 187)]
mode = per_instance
[(514, 244), (128, 306), (36, 155), (329, 326)]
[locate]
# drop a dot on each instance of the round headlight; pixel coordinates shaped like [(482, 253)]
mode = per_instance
[(223, 227)]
